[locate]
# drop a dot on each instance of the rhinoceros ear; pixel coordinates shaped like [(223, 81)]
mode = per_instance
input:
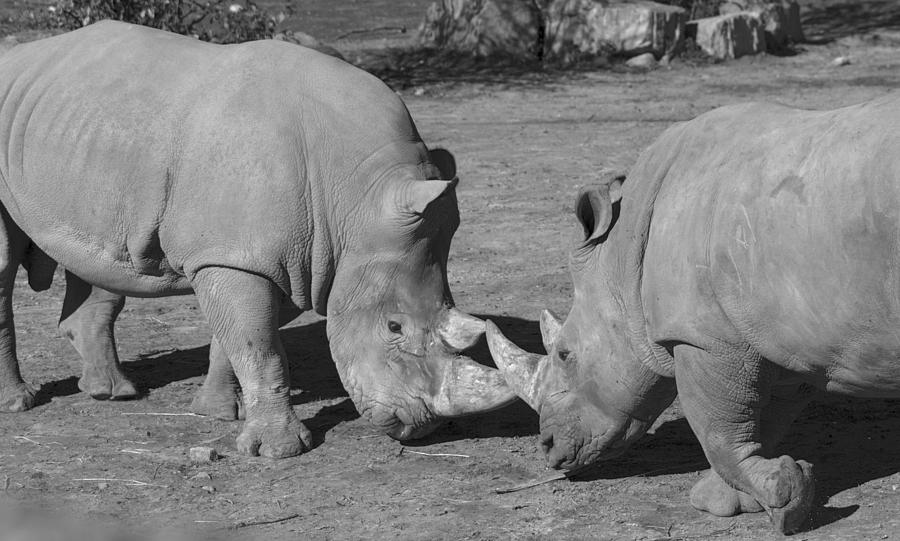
[(594, 207), (421, 193), (444, 161)]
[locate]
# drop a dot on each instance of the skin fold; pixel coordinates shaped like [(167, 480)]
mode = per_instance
[(267, 179), (748, 263)]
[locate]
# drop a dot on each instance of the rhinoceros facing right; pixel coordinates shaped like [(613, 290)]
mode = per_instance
[(266, 178), (750, 260)]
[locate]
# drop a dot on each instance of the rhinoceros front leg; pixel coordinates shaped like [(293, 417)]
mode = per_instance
[(220, 395), (243, 312), (785, 403), (15, 394), (88, 320), (723, 397)]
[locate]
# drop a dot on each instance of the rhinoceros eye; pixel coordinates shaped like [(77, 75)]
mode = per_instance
[(395, 327)]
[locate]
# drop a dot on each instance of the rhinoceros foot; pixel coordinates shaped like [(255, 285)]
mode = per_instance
[(713, 495), (16, 398), (106, 383), (224, 403), (274, 438), (791, 517)]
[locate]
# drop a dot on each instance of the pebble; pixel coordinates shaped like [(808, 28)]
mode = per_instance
[(646, 60), (203, 454), (841, 61)]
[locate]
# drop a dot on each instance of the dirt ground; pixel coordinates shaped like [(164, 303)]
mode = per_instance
[(525, 143)]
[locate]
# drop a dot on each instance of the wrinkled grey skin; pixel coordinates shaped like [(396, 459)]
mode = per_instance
[(266, 178), (750, 263)]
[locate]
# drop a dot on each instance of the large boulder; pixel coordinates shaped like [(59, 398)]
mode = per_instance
[(488, 28), (729, 36), (780, 19), (581, 28)]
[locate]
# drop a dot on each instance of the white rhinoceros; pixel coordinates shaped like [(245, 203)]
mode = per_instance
[(751, 262), (266, 178)]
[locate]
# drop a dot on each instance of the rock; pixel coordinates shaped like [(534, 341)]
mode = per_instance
[(841, 61), (583, 28), (781, 19), (646, 60), (201, 476), (301, 38), (203, 455), (486, 28), (729, 36)]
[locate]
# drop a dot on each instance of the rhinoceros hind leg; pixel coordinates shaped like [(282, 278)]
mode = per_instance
[(723, 397), (87, 320), (220, 396), (243, 311)]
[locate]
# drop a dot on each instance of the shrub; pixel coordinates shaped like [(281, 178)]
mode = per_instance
[(218, 21)]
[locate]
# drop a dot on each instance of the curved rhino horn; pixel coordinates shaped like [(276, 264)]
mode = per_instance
[(468, 388), (521, 369), (550, 326), (459, 330)]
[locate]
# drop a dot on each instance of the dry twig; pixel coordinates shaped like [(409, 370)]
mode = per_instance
[(546, 478), (245, 524), (404, 449), (29, 440), (398, 29), (212, 440), (164, 414), (128, 482)]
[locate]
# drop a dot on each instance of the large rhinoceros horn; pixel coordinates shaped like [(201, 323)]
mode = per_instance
[(550, 327), (522, 370), (468, 388), (459, 330)]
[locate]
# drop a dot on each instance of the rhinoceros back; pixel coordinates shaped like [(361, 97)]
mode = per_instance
[(779, 229), (135, 157)]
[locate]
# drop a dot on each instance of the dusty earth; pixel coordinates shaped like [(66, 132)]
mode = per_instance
[(525, 143)]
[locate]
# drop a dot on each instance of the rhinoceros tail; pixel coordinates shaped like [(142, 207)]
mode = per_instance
[(39, 266)]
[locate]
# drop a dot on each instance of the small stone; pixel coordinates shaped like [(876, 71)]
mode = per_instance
[(208, 488), (102, 486), (419, 91), (203, 454), (646, 61), (202, 476), (841, 61)]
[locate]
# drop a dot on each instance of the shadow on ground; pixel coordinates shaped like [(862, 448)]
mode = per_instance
[(849, 441), (826, 21), (314, 378)]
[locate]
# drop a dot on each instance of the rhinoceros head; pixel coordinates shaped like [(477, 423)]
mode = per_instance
[(593, 393), (395, 334)]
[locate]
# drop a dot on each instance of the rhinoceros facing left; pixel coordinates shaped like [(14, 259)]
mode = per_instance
[(268, 179), (749, 260)]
